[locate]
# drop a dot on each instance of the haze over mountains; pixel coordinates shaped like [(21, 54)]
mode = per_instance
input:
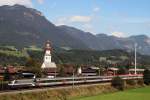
[(21, 26)]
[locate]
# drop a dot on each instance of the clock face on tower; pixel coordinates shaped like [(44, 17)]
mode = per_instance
[(48, 45)]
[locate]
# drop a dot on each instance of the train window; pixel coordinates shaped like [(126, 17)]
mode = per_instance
[(27, 75)]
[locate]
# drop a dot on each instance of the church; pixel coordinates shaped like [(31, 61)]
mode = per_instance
[(48, 66)]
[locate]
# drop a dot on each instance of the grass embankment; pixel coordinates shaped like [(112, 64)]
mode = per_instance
[(60, 94), (75, 93), (133, 94)]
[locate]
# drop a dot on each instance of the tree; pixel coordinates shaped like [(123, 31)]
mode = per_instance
[(61, 70), (34, 66), (100, 68), (6, 75), (146, 76)]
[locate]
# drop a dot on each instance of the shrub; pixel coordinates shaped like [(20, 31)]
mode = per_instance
[(146, 76), (118, 83)]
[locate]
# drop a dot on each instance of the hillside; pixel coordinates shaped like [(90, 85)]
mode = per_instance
[(12, 56)]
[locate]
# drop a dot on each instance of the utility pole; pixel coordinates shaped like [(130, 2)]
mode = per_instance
[(99, 70), (135, 46), (73, 79), (55, 72)]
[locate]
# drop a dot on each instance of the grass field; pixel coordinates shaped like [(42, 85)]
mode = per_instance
[(134, 94)]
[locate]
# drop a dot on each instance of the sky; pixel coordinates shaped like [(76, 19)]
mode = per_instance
[(121, 18)]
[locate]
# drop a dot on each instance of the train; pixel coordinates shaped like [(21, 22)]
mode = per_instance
[(59, 81)]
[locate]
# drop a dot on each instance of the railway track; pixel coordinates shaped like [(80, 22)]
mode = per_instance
[(39, 89)]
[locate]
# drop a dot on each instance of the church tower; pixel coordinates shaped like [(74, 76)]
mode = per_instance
[(47, 56), (47, 62)]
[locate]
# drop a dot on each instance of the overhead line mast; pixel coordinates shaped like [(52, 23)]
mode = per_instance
[(135, 54)]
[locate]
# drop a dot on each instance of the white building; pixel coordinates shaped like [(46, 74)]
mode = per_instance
[(47, 63), (79, 71)]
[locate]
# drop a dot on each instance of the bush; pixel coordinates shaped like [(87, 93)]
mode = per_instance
[(118, 83), (146, 76), (131, 82)]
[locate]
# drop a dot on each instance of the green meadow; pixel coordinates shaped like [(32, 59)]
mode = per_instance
[(134, 94)]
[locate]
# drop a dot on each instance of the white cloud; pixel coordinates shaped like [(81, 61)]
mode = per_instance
[(96, 9), (118, 34), (81, 19), (27, 3), (40, 1), (81, 22), (88, 28), (61, 21), (73, 19)]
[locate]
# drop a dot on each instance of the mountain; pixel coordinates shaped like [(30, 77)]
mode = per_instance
[(85, 37), (106, 42), (94, 42), (21, 26), (143, 43)]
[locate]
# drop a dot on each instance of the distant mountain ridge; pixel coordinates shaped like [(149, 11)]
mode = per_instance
[(106, 42), (21, 27)]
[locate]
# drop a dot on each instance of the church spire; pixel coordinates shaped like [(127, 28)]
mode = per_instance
[(48, 45)]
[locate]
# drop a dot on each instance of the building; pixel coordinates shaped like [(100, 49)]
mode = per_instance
[(79, 71), (114, 71), (90, 71), (49, 66), (139, 71)]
